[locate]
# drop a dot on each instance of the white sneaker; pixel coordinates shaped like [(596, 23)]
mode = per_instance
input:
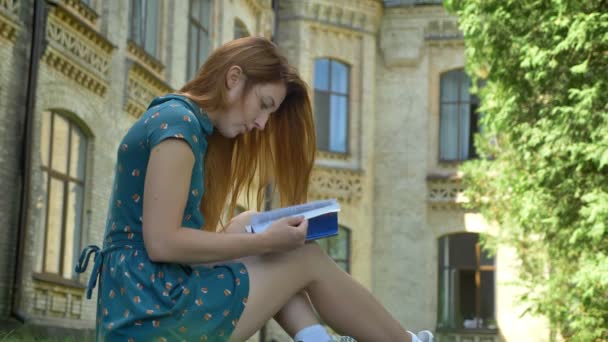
[(425, 336)]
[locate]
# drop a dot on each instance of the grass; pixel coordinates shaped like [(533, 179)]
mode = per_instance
[(31, 334)]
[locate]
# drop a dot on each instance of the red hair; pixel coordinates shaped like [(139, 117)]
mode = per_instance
[(282, 154)]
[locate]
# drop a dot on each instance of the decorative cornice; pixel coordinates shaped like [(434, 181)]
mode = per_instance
[(342, 184), (142, 87), (81, 11), (360, 15), (325, 155), (445, 193), (77, 51), (57, 301), (9, 19), (140, 56)]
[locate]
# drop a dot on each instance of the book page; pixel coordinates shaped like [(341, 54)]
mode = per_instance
[(296, 210), (332, 207)]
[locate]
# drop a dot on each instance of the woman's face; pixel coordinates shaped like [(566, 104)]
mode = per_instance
[(247, 111)]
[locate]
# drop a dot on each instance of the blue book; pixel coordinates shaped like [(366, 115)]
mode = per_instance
[(322, 218)]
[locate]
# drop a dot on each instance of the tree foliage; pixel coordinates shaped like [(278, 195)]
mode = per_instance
[(543, 171)]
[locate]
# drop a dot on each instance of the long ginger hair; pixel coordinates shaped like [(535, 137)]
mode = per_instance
[(282, 154)]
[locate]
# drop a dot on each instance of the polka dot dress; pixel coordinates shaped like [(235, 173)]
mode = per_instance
[(141, 300)]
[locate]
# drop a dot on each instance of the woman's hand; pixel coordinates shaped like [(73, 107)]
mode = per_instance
[(286, 234), (238, 223)]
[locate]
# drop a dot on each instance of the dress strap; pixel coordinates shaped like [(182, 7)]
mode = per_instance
[(83, 261)]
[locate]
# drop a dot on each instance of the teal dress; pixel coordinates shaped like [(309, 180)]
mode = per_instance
[(142, 300)]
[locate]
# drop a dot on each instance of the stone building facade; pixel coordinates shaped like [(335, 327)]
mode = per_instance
[(394, 120)]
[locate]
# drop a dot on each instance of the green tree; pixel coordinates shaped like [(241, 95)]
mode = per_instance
[(543, 172)]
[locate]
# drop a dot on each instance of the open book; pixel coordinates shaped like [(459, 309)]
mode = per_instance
[(322, 218)]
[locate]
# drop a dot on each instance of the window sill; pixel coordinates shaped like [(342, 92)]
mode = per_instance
[(328, 155), (58, 280), (149, 62)]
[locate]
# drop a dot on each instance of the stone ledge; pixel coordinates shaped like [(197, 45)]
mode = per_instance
[(10, 24), (342, 184), (142, 87)]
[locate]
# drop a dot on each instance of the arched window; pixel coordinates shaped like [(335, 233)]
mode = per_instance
[(331, 80), (64, 154), (199, 42), (240, 30), (459, 118), (338, 248), (466, 284), (144, 23)]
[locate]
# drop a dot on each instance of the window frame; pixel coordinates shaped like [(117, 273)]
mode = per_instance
[(479, 268), (66, 179), (145, 16), (474, 115), (194, 23), (329, 93)]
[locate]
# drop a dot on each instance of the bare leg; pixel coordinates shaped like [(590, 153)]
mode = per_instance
[(296, 315), (342, 302)]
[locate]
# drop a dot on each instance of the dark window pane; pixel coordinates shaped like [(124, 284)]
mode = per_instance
[(467, 298), (338, 124), (54, 227), (205, 14), (487, 297), (61, 134), (462, 251), (195, 9), (45, 138), (464, 132), (448, 137), (322, 120), (321, 80), (486, 259), (151, 27), (339, 77), (465, 84), (192, 51), (450, 82), (78, 154)]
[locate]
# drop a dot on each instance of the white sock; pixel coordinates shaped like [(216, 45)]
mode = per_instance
[(313, 333), (414, 337)]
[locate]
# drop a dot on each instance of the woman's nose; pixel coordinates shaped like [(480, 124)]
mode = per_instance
[(261, 121)]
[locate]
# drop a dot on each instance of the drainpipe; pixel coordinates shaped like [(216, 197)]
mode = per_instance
[(25, 167)]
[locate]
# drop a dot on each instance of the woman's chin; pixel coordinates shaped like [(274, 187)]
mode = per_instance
[(230, 134)]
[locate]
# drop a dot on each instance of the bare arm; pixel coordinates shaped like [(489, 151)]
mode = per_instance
[(165, 195)]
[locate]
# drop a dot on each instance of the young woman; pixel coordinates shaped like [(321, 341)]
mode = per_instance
[(246, 114)]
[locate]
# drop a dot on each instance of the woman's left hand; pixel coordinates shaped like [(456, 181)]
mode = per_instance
[(238, 223)]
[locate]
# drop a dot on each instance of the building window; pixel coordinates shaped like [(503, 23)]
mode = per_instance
[(143, 30), (240, 30), (338, 248), (466, 284), (459, 118), (89, 3), (63, 154), (198, 34), (331, 80)]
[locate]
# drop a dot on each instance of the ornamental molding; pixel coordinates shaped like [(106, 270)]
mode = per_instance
[(78, 51), (10, 24), (142, 87), (56, 301), (140, 56), (359, 15), (445, 193), (343, 184), (81, 11)]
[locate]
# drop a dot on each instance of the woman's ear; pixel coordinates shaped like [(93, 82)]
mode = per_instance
[(233, 76)]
